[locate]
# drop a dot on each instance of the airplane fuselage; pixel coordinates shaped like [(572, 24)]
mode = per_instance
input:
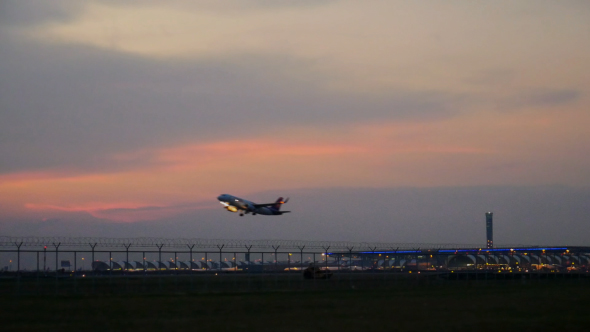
[(244, 206)]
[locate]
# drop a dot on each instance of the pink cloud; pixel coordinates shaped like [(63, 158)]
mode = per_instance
[(124, 212), (459, 151)]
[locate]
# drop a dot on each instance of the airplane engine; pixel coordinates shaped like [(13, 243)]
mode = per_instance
[(231, 208)]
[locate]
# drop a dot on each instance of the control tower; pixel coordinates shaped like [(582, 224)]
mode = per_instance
[(490, 229)]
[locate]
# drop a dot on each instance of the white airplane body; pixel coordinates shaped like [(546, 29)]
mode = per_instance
[(243, 206)]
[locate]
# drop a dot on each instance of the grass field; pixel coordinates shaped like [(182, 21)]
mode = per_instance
[(550, 305)]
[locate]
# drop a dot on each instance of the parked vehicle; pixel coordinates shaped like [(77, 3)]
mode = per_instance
[(316, 272)]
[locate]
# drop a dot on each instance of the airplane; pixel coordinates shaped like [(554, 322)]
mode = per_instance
[(236, 204)]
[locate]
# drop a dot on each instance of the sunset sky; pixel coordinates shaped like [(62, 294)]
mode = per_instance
[(124, 118)]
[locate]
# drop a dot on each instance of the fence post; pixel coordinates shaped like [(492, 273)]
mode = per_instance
[(301, 257), (126, 259), (249, 265), (276, 269), (326, 254), (56, 258), (373, 263), (18, 245), (220, 248), (276, 257), (92, 246), (75, 267), (191, 256), (159, 254), (350, 264), (248, 258)]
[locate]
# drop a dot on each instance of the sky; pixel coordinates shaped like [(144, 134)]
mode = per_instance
[(395, 121)]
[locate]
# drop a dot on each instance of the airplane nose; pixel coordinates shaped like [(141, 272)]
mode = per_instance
[(220, 197)]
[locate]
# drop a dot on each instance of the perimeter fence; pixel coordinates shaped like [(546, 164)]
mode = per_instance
[(37, 265)]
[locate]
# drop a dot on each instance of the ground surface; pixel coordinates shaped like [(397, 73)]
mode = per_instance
[(541, 305)]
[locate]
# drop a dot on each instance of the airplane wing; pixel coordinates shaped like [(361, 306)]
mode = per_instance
[(264, 205), (277, 203)]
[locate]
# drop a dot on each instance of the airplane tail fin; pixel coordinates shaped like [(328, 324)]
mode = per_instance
[(278, 203)]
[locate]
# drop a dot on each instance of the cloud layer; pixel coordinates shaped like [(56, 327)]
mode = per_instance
[(126, 111)]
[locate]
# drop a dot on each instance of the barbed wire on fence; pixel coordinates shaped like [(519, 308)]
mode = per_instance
[(159, 242)]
